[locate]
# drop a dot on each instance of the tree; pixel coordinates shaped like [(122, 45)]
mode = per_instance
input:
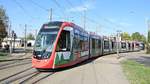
[(125, 36), (136, 36), (143, 38), (3, 24), (30, 36), (148, 43), (148, 36)]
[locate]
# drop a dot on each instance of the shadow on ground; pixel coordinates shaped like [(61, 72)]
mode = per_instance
[(70, 67), (142, 60)]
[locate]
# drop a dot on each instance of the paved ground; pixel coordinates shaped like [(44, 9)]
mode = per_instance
[(104, 70)]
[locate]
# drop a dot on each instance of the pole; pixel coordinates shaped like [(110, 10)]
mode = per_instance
[(25, 31), (10, 51), (148, 37), (35, 33), (97, 29), (14, 36), (13, 33), (84, 19), (118, 43), (51, 14)]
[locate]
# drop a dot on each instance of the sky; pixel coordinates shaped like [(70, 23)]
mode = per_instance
[(104, 17)]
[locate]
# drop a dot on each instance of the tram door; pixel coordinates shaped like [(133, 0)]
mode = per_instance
[(63, 49), (129, 46), (123, 47), (64, 41), (106, 47), (113, 45)]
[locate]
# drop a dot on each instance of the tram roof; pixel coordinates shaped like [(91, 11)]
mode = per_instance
[(59, 23), (53, 23)]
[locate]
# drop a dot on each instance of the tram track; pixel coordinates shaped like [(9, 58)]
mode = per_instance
[(14, 65), (21, 57), (3, 79), (32, 74), (43, 78), (35, 78), (13, 62), (14, 59), (27, 76)]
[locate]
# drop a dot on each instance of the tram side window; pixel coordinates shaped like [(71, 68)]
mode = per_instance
[(137, 45), (113, 45), (106, 44), (83, 43), (123, 45), (76, 40), (93, 44), (64, 41), (86, 44), (132, 45), (129, 45), (99, 44)]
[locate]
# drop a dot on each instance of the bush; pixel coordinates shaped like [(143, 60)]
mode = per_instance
[(148, 48)]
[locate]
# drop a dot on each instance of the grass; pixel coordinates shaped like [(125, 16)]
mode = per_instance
[(3, 55), (136, 73)]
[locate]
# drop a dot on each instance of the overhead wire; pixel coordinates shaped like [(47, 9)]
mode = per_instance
[(85, 7), (39, 5), (23, 9), (59, 6), (71, 5), (91, 20), (42, 7), (107, 20), (95, 22)]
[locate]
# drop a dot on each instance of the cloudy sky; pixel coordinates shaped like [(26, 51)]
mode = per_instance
[(102, 16)]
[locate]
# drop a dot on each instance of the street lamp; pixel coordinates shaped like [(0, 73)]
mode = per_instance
[(118, 38)]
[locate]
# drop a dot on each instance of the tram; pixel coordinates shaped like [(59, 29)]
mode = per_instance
[(61, 44)]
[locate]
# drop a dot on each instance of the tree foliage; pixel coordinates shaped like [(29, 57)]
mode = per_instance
[(125, 36), (148, 36), (148, 43), (143, 38), (136, 36), (3, 24), (30, 36)]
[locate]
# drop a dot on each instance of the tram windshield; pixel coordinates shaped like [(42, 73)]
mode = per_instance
[(44, 42)]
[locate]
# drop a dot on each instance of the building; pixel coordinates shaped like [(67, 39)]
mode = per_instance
[(17, 43)]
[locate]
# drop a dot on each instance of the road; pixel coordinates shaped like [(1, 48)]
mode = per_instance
[(102, 70)]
